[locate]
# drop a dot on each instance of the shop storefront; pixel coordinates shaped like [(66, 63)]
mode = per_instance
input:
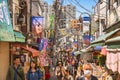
[(110, 49), (25, 53), (113, 55), (6, 36)]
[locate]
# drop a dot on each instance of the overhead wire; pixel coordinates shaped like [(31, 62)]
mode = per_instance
[(77, 3), (74, 5), (95, 1)]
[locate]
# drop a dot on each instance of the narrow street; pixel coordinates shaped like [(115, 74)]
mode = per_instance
[(59, 39)]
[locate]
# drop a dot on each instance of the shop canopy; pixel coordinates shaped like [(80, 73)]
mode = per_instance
[(77, 53), (101, 40), (34, 52), (116, 39), (19, 36), (113, 43), (88, 49)]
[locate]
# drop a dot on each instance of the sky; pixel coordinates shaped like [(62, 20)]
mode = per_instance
[(88, 4)]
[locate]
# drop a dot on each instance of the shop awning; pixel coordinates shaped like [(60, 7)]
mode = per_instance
[(84, 50), (113, 43), (34, 52), (116, 39), (19, 37), (88, 49), (104, 37), (98, 44), (77, 53), (113, 46)]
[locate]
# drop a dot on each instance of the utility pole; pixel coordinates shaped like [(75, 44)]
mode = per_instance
[(56, 19), (30, 15), (58, 9)]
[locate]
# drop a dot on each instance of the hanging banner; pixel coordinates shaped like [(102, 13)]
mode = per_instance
[(86, 39), (6, 30), (37, 24), (51, 16), (51, 27), (42, 59), (43, 44)]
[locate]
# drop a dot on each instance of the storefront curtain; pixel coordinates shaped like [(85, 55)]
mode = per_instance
[(118, 53), (112, 61)]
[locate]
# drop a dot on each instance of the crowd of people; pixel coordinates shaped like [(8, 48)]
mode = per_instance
[(66, 69)]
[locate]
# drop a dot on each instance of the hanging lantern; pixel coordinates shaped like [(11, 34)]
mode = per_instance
[(103, 51)]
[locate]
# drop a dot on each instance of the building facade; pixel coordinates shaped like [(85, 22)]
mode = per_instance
[(45, 14), (100, 19), (69, 14), (113, 15)]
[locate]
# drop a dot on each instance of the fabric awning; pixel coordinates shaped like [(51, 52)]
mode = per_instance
[(113, 46), (113, 43), (34, 52), (98, 44), (19, 36), (116, 39), (77, 53), (88, 49), (104, 37)]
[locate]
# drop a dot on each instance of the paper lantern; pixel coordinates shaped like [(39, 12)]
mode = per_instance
[(103, 51)]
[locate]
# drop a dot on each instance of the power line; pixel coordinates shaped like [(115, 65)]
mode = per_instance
[(73, 5), (77, 3), (95, 1)]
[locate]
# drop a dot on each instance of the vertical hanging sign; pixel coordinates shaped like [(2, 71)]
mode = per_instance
[(6, 30)]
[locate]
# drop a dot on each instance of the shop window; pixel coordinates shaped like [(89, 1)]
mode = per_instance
[(103, 23)]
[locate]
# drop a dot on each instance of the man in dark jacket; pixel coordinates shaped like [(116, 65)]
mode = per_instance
[(15, 72), (87, 68)]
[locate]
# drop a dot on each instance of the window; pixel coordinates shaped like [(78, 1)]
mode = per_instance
[(16, 18), (103, 23)]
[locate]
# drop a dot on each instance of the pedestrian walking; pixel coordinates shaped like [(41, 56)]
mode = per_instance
[(87, 69), (47, 72), (33, 73), (15, 72), (42, 70), (52, 75), (68, 76), (107, 75), (60, 71)]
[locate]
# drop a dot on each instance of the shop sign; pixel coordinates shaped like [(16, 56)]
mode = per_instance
[(6, 30)]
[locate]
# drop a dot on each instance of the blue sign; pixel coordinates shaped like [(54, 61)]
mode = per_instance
[(86, 18)]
